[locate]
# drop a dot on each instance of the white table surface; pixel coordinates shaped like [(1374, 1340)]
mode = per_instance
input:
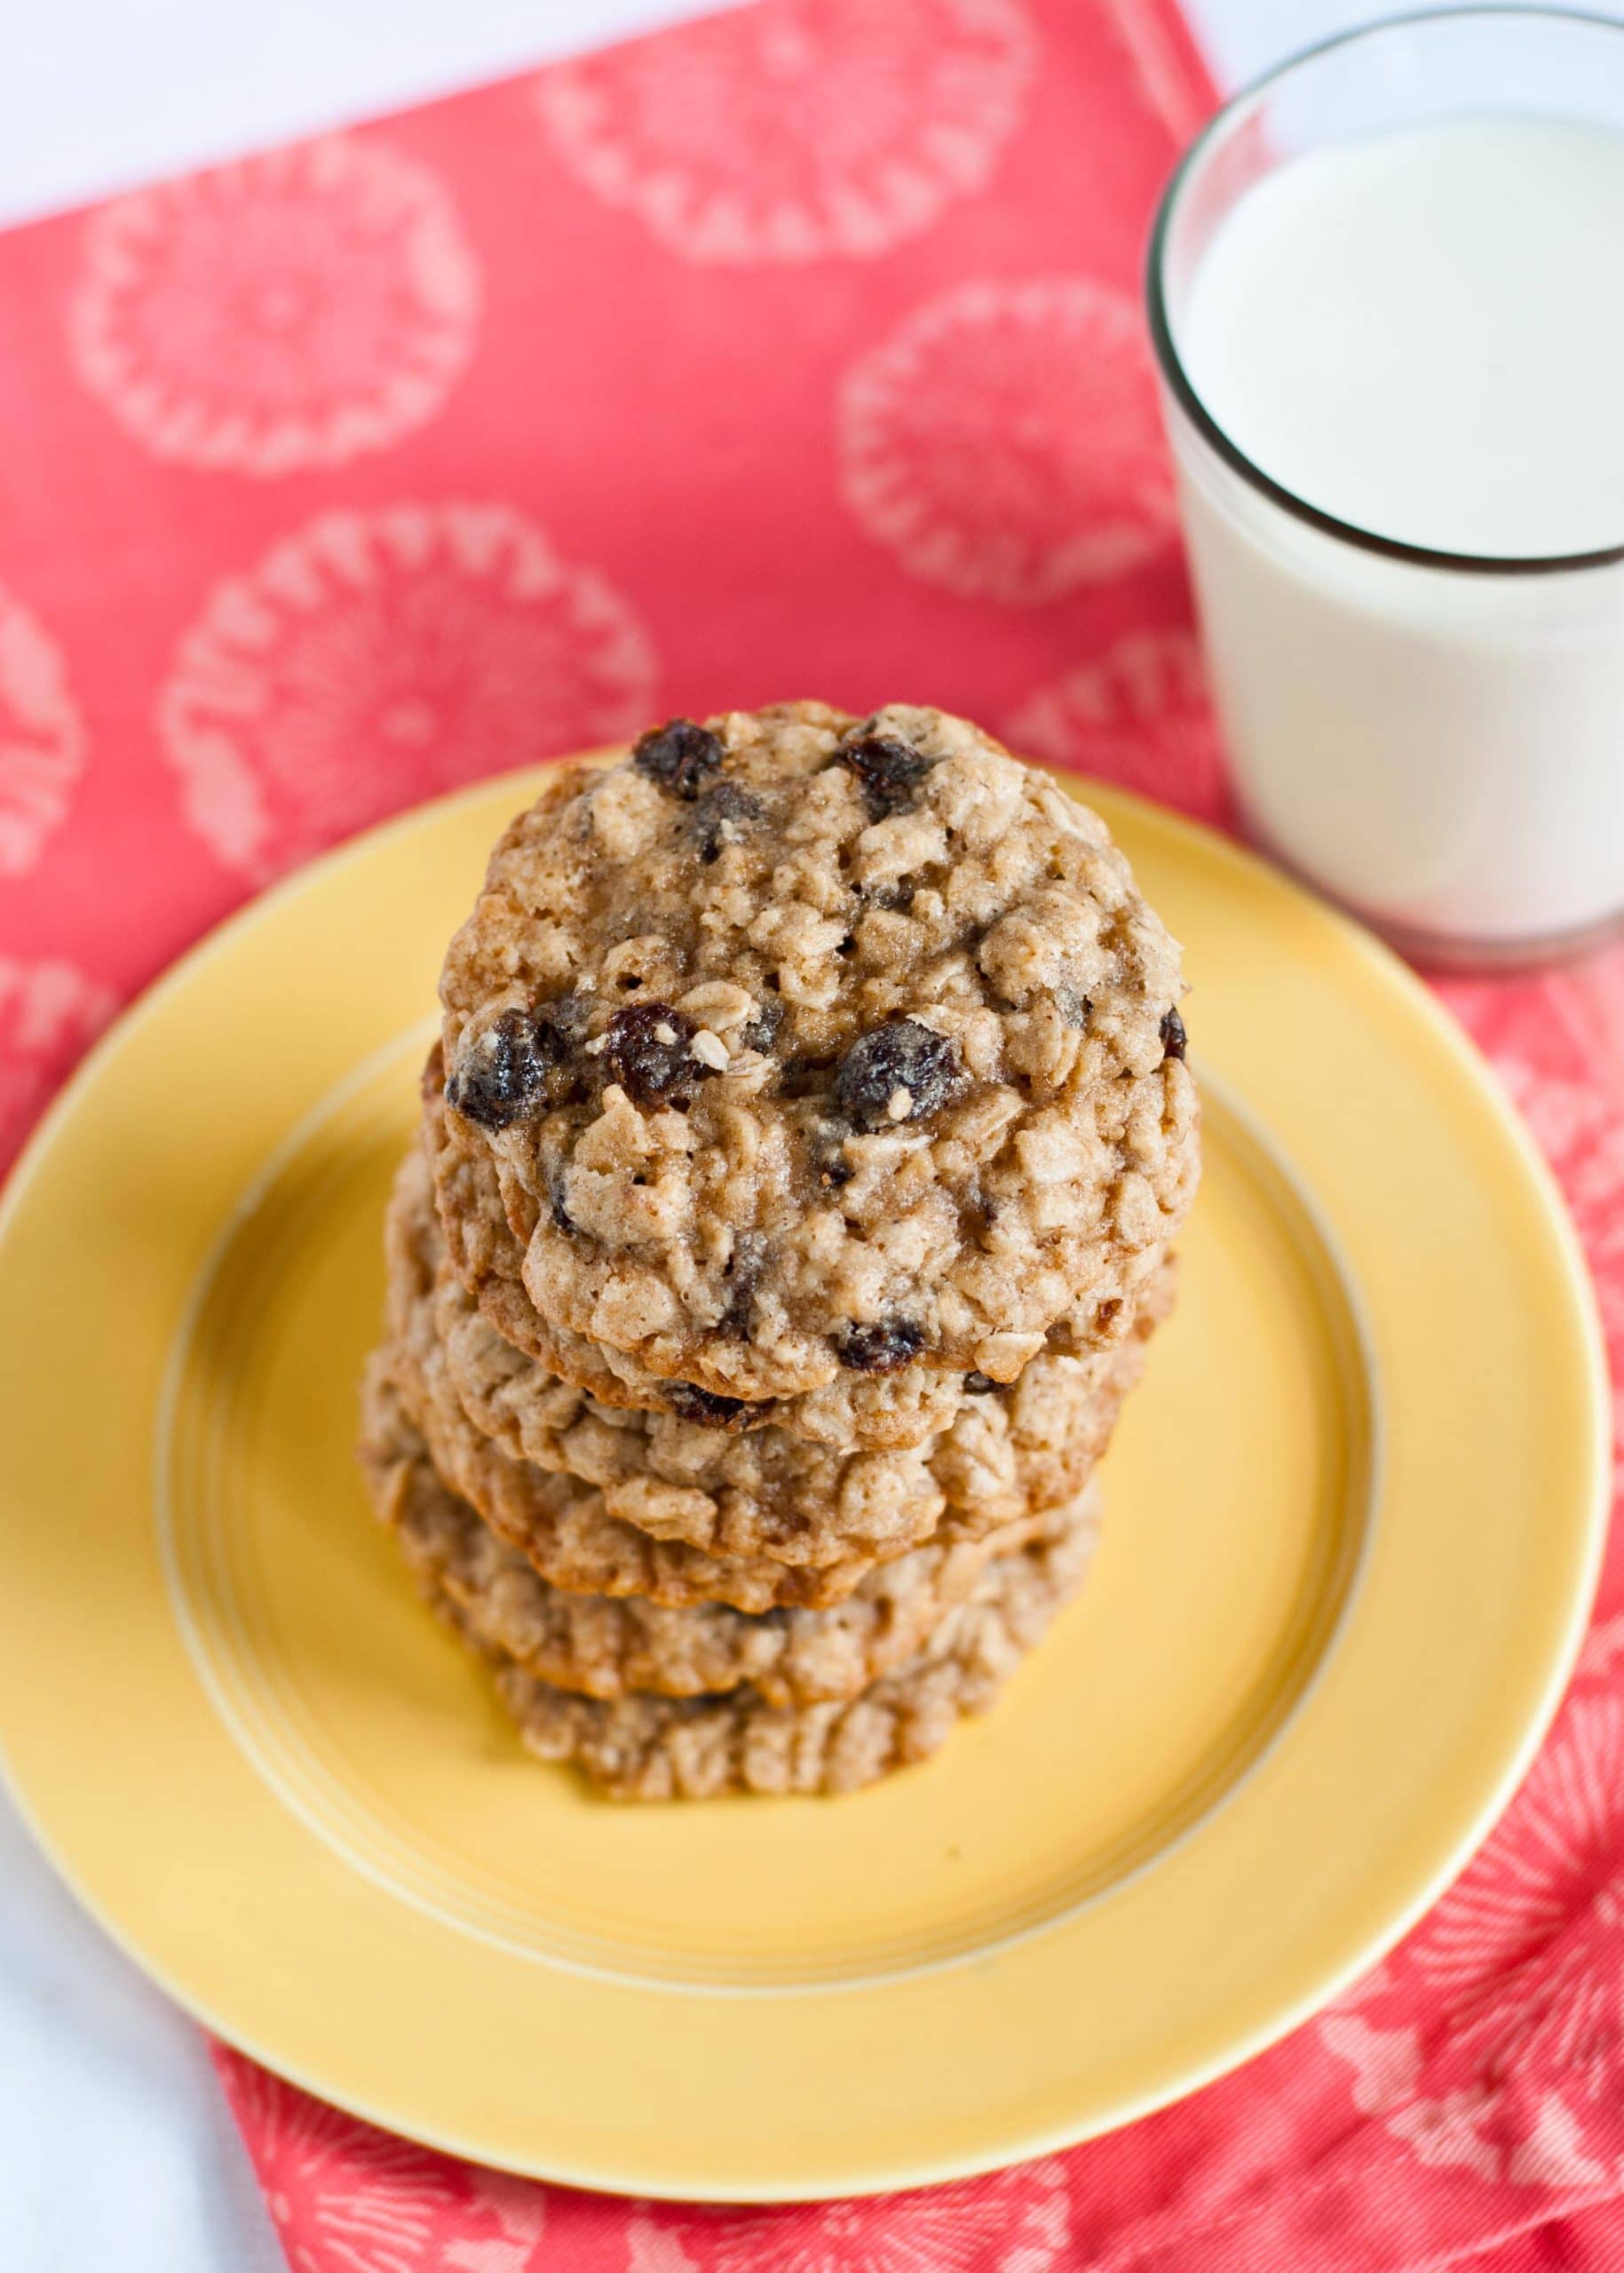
[(115, 2148)]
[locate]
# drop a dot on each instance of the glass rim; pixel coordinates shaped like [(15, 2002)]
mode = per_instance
[(1177, 379)]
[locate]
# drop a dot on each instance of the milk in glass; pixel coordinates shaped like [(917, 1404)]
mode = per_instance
[(1420, 334)]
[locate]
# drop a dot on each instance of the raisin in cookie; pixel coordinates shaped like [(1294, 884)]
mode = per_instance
[(763, 1492), (803, 1044), (644, 1747), (606, 1646), (883, 1409), (567, 1528)]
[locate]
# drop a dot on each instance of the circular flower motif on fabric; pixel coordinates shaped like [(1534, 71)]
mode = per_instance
[(50, 1014), (503, 2228), (1016, 2221), (796, 128), (343, 2197), (1139, 715), (1005, 442), (1490, 2041), (292, 310), (42, 741), (374, 660)]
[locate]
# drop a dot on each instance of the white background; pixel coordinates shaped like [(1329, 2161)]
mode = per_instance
[(116, 2149), (95, 95)]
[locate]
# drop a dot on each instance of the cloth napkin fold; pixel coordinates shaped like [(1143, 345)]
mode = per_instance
[(793, 351)]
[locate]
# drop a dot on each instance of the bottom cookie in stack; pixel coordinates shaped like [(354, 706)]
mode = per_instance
[(658, 1703), (682, 1608)]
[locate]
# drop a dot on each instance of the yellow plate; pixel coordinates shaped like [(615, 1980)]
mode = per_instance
[(1352, 1521)]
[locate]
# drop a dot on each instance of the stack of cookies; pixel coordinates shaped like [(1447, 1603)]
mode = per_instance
[(791, 1212)]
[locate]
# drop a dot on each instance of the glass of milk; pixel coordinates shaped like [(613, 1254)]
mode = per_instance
[(1387, 293)]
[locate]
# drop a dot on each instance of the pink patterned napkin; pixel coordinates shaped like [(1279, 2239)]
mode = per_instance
[(793, 351)]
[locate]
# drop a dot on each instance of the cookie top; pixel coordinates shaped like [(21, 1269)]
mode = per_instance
[(640, 1746), (763, 1491), (604, 1646), (805, 1044), (894, 1409)]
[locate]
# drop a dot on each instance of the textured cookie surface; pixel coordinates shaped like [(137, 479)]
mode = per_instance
[(602, 1646), (890, 1409), (804, 1045), (562, 1526), (763, 1491), (631, 1503), (644, 1747)]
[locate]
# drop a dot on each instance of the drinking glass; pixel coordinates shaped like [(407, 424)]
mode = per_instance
[(1434, 738)]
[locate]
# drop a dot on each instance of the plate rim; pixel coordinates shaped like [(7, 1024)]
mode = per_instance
[(1389, 972)]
